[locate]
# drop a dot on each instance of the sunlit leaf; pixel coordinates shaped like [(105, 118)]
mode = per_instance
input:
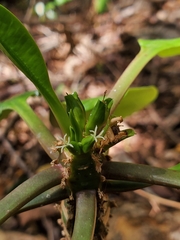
[(134, 100), (42, 133), (175, 167), (19, 46), (162, 47)]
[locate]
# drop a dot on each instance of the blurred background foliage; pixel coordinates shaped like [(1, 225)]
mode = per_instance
[(50, 9)]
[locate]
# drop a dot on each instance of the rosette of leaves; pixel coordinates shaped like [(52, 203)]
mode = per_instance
[(87, 141)]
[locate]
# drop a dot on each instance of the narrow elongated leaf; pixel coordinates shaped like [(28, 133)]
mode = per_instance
[(9, 105), (19, 46), (134, 100), (42, 133), (162, 47), (148, 50)]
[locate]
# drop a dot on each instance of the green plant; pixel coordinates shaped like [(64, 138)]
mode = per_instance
[(81, 170)]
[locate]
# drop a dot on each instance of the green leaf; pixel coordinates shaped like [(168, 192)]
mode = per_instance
[(163, 47), (77, 114), (87, 143), (135, 99), (19, 104), (148, 50), (99, 116), (9, 105), (175, 167), (89, 103), (19, 46), (96, 117)]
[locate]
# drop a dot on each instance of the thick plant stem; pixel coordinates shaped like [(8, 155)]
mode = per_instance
[(58, 193), (85, 217), (29, 189), (122, 186), (52, 195), (141, 173)]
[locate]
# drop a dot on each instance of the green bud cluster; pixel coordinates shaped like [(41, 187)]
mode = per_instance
[(99, 115), (83, 129), (77, 116)]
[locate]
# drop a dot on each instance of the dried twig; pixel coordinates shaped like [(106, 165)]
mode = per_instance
[(155, 201)]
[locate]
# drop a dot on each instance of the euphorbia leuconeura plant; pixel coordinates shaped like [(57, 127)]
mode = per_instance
[(81, 172)]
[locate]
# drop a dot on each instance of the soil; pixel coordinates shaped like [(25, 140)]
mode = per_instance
[(87, 52)]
